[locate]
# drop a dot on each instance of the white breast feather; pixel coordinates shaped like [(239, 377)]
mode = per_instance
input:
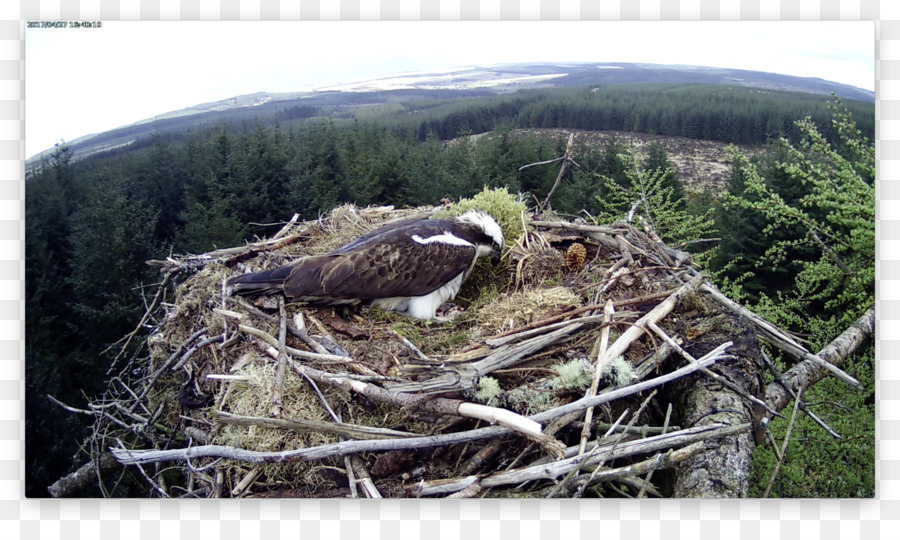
[(446, 238), (422, 307)]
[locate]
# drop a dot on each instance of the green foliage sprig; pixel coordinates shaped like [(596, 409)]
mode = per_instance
[(836, 215), (652, 194)]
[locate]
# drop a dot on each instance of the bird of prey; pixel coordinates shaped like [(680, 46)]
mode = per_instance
[(412, 267)]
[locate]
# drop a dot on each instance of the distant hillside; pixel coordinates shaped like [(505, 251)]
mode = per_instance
[(376, 96)]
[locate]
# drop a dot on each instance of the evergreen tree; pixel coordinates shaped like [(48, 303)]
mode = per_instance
[(646, 195), (834, 215)]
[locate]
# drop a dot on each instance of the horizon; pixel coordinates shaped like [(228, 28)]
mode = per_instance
[(128, 81)]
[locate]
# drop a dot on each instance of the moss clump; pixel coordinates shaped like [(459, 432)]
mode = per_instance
[(503, 206), (570, 377)]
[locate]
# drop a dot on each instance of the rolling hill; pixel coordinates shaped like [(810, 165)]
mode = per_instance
[(470, 82)]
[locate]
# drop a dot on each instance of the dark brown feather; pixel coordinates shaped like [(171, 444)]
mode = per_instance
[(406, 268), (384, 263)]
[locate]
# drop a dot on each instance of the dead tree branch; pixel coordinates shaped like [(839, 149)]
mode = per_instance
[(808, 372)]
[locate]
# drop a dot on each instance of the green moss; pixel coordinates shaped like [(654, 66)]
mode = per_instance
[(501, 205)]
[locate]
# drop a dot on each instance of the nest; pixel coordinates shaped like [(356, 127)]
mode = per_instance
[(299, 401)]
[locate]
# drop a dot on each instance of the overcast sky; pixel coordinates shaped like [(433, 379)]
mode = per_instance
[(87, 80)]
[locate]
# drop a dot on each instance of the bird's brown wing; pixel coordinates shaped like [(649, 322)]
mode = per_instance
[(382, 270)]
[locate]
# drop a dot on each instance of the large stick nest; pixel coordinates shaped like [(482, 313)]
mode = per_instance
[(529, 340)]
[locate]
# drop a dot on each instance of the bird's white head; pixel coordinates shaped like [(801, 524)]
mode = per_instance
[(487, 224)]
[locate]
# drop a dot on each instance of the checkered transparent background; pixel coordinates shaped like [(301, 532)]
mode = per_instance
[(99, 519)]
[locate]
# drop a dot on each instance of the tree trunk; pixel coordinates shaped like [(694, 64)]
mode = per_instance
[(724, 469)]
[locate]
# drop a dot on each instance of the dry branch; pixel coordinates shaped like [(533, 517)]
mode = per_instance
[(492, 415), (660, 461), (783, 453), (553, 470), (595, 380), (779, 338), (466, 375), (128, 457), (808, 372), (87, 475), (713, 375), (655, 315), (302, 425), (566, 160)]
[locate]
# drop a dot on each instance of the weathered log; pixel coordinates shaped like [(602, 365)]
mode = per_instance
[(74, 484), (724, 469), (808, 373)]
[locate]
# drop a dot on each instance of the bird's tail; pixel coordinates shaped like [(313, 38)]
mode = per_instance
[(265, 282)]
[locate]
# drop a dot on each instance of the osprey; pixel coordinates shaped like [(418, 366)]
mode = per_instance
[(411, 267)]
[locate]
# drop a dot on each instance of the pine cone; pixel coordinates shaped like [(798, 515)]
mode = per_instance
[(575, 257)]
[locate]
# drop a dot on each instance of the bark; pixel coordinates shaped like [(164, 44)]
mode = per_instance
[(724, 469), (85, 477)]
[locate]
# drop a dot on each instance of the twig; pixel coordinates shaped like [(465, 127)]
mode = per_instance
[(523, 167), (579, 227), (127, 457), (777, 337), (631, 422), (351, 477), (665, 428), (162, 369), (550, 471), (409, 345), (301, 425), (359, 470), (566, 159), (160, 292), (287, 227), (275, 409), (595, 381), (787, 438), (656, 314), (72, 484), (297, 329), (292, 351), (246, 481), (649, 466), (190, 352), (715, 376), (832, 255), (807, 373), (787, 388), (575, 470), (460, 377), (493, 415)]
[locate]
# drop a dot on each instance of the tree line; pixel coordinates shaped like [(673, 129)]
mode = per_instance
[(730, 114)]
